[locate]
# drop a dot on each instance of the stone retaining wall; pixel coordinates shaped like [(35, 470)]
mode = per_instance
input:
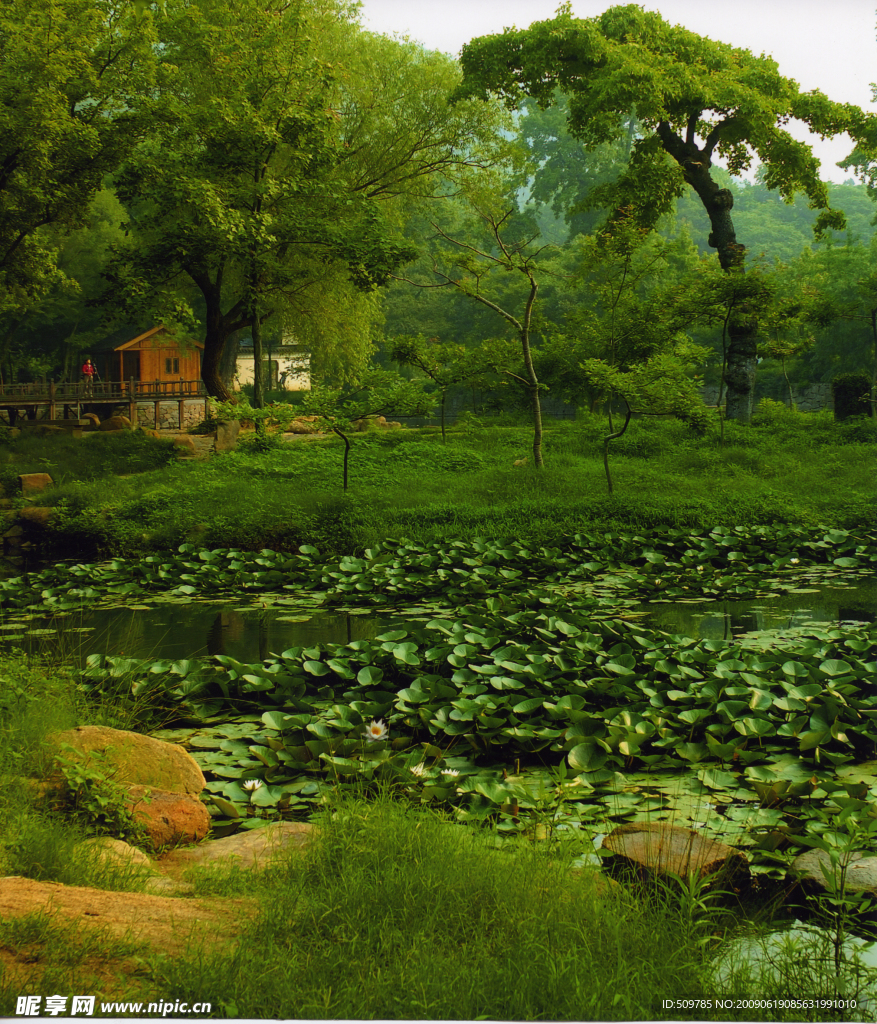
[(169, 414), (813, 398)]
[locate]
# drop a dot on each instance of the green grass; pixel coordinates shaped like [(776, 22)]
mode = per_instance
[(67, 459), (793, 468), (396, 914)]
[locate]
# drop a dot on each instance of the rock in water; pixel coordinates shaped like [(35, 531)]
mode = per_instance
[(670, 850), (860, 875)]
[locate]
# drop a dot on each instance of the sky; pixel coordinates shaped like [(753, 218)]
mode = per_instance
[(830, 45)]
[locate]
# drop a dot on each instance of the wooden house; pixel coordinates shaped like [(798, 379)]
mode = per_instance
[(155, 356)]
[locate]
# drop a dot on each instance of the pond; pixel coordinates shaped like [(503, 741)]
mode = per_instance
[(186, 629), (833, 603), (190, 630)]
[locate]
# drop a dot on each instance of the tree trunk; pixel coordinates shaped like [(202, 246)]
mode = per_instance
[(258, 395), (874, 368), (613, 435), (214, 342), (742, 326), (228, 364), (718, 202), (531, 375)]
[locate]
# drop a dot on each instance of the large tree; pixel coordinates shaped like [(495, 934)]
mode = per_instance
[(285, 140), (695, 99), (67, 71)]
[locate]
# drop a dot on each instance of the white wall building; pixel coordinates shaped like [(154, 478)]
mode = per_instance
[(288, 368)]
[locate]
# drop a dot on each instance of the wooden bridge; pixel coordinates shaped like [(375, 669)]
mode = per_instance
[(74, 398)]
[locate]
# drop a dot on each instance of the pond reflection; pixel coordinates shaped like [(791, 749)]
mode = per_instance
[(184, 631), (723, 620)]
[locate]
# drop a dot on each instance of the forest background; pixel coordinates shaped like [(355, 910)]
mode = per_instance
[(237, 175)]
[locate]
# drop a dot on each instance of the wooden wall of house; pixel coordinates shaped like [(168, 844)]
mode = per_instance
[(159, 361)]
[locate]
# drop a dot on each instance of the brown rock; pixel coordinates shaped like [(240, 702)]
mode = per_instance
[(227, 435), (33, 483), (253, 849), (668, 849), (185, 444), (168, 818), (135, 759), (116, 423), (394, 425), (93, 420), (297, 426), (35, 514)]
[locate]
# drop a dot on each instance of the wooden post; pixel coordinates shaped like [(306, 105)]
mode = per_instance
[(157, 403), (182, 414), (51, 399), (132, 405)]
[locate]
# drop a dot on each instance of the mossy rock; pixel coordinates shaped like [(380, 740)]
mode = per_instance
[(134, 759)]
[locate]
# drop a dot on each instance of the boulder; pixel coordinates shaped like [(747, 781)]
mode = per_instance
[(394, 425), (227, 435), (116, 423), (115, 852), (185, 444), (253, 849), (135, 759), (167, 817), (93, 420), (861, 871), (33, 483), (36, 515), (299, 426), (669, 850)]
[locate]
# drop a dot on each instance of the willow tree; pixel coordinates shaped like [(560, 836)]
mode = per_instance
[(695, 99)]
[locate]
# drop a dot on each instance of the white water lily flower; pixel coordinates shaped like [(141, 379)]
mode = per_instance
[(450, 771), (417, 769), (252, 785), (794, 561), (376, 731)]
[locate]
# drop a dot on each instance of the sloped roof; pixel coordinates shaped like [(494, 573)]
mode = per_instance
[(148, 334)]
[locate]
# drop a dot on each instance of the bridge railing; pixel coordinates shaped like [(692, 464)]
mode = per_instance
[(70, 392)]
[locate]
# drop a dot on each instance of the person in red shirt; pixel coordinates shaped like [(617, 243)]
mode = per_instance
[(88, 372)]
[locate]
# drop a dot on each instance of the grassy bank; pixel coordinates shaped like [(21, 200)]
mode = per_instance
[(792, 469)]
